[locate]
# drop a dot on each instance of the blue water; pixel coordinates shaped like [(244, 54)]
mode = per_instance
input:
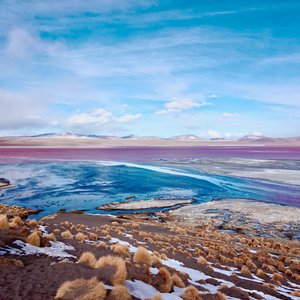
[(86, 185)]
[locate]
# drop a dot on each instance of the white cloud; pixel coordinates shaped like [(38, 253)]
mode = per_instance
[(230, 115), (17, 110), (100, 117), (97, 117), (178, 105), (128, 118), (214, 134)]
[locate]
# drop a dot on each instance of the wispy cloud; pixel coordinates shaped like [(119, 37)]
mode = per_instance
[(178, 105)]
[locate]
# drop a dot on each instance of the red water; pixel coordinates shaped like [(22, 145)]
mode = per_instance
[(145, 154)]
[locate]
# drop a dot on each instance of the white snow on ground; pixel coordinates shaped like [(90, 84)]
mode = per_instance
[(132, 249), (57, 249), (144, 291)]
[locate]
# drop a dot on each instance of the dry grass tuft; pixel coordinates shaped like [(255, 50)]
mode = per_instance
[(121, 249), (56, 231), (167, 284), (201, 260), (88, 259), (3, 222), (67, 235), (245, 271), (82, 289), (33, 223), (120, 292), (277, 277), (11, 262), (250, 264), (260, 273), (93, 236), (50, 236), (101, 245), (142, 255), (34, 239), (295, 293), (191, 293), (177, 281), (80, 237), (120, 274), (163, 256), (18, 221), (221, 296)]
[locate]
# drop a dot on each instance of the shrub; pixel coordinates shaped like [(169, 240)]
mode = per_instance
[(82, 289), (142, 255), (67, 235), (177, 281), (121, 249), (50, 236), (201, 260), (80, 237), (3, 222), (167, 284), (120, 275), (191, 293), (120, 292), (34, 239), (33, 223), (88, 259), (245, 271)]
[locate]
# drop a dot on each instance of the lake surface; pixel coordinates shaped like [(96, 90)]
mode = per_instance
[(82, 179)]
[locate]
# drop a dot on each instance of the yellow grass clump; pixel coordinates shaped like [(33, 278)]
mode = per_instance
[(120, 292), (163, 256), (177, 281), (3, 222), (201, 260), (18, 221), (120, 275), (121, 249), (260, 273), (101, 245), (295, 293), (142, 255), (67, 235), (34, 239), (245, 271), (221, 296), (56, 231), (167, 284), (87, 258), (11, 262), (82, 289), (80, 237), (51, 236), (250, 264), (277, 277), (93, 236), (33, 223), (191, 293)]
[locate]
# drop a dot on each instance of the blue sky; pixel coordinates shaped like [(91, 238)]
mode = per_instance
[(211, 68)]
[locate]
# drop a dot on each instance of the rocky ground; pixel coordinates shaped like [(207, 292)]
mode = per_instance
[(78, 256)]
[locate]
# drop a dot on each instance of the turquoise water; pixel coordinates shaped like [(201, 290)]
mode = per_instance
[(51, 186)]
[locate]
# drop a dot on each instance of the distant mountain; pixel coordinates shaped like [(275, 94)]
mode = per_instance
[(137, 137), (185, 137), (258, 138)]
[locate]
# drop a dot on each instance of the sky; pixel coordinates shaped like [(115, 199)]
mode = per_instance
[(219, 68)]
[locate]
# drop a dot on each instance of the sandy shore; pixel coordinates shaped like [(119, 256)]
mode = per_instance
[(277, 170), (243, 215), (139, 205), (37, 258)]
